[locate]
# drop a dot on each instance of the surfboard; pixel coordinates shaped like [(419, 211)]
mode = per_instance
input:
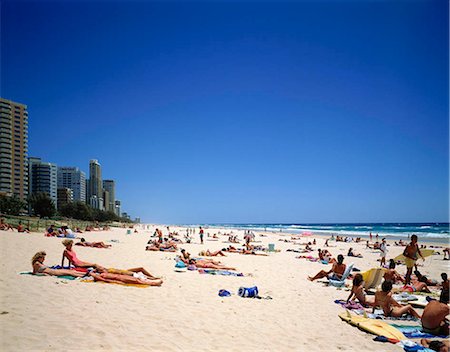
[(373, 326), (425, 253)]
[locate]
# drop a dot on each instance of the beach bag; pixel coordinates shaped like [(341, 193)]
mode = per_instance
[(249, 292)]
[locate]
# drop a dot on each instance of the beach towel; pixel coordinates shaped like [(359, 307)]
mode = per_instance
[(114, 283), (219, 272), (66, 277), (414, 332), (350, 305)]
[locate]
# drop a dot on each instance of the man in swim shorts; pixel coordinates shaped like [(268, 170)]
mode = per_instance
[(411, 253)]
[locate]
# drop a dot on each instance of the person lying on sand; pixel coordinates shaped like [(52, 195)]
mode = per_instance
[(136, 272), (164, 247), (71, 256), (208, 253), (424, 279), (39, 268), (201, 263), (391, 274), (390, 306), (84, 243), (124, 279), (336, 272), (358, 292), (353, 254)]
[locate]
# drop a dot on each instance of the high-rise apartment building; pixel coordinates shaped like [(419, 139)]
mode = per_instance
[(13, 148), (65, 196), (117, 207), (43, 178), (75, 179), (109, 185), (95, 185)]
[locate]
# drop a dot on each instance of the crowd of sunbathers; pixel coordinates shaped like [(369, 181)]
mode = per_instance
[(79, 268), (433, 317)]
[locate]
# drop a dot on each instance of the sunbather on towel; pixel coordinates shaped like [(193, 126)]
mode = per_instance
[(390, 306), (201, 263), (136, 272), (124, 279), (71, 256), (336, 272), (39, 268), (208, 253), (84, 243), (358, 292)]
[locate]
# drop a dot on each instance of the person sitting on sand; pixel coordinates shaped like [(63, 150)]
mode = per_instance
[(5, 226), (390, 306), (353, 254), (39, 268), (208, 253), (71, 256), (84, 243), (358, 292), (336, 272), (391, 274), (201, 263), (436, 345), (124, 279), (433, 317), (51, 231), (21, 228)]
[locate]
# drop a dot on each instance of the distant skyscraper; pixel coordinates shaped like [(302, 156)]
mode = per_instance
[(105, 200), (95, 185), (42, 178), (109, 185), (117, 207), (73, 178), (13, 148)]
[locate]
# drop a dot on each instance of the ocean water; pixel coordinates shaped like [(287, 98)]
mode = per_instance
[(438, 232)]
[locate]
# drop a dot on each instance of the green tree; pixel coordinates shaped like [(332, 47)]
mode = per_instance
[(11, 205), (42, 205)]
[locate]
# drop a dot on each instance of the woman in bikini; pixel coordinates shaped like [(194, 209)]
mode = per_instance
[(358, 292), (125, 279), (71, 256), (39, 268), (390, 306)]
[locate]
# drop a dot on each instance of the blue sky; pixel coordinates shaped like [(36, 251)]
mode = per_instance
[(241, 111)]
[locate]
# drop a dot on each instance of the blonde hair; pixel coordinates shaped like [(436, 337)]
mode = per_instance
[(38, 255), (67, 242)]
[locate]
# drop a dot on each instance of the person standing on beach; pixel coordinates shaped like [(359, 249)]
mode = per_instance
[(411, 253), (383, 250), (201, 235)]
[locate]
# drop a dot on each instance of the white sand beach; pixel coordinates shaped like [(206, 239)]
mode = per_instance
[(185, 313)]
